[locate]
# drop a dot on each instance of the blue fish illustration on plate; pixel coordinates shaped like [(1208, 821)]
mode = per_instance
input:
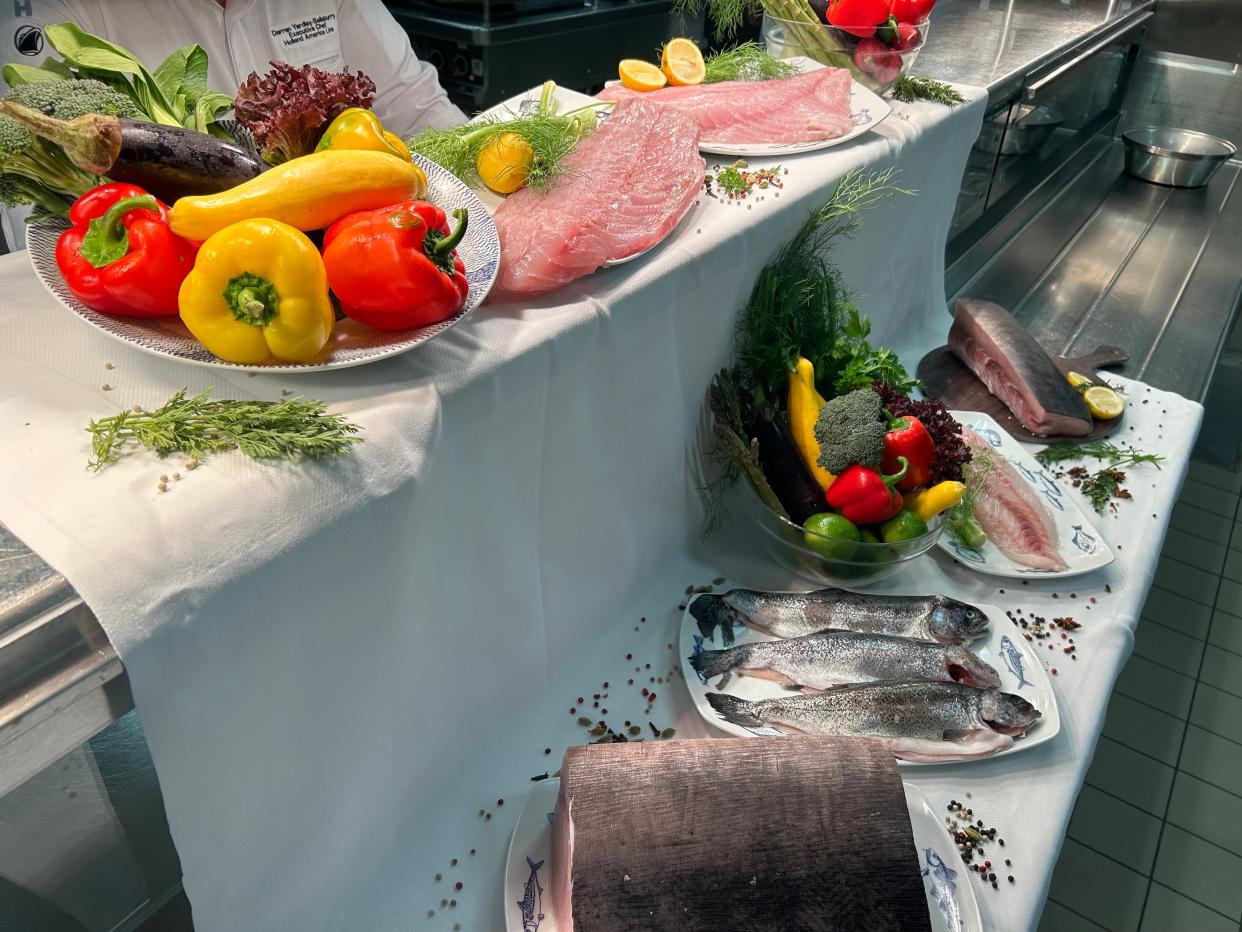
[(987, 433), (698, 649), (943, 888), (1082, 540), (966, 553), (531, 903), (1013, 661)]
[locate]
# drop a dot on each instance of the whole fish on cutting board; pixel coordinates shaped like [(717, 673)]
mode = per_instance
[(794, 614), (1011, 513), (830, 658), (919, 720), (1017, 370)]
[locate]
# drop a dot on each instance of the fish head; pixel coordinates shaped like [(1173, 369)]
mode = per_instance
[(1007, 713), (954, 622), (965, 667), (712, 612)]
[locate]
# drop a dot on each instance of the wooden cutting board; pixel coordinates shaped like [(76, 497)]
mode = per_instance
[(945, 377)]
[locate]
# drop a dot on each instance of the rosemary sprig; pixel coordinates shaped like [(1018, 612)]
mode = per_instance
[(1115, 455), (196, 426), (749, 61), (909, 88)]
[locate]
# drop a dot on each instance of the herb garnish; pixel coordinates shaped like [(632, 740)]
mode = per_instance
[(1103, 486), (909, 88), (737, 181), (285, 430), (749, 61)]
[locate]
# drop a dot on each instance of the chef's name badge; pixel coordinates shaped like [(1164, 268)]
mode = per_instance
[(306, 34)]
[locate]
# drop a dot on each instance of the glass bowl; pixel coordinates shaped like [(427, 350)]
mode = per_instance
[(875, 65), (857, 564)]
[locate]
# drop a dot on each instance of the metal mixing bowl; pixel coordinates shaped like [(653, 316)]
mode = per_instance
[(1025, 131), (1180, 158)]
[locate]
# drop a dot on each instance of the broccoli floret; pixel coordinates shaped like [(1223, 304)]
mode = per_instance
[(851, 429), (67, 100), (42, 163), (20, 191)]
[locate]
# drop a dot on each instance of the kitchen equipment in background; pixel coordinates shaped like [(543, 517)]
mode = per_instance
[(1179, 158), (1025, 130), (488, 50)]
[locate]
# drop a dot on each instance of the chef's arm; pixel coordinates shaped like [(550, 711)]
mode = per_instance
[(408, 94)]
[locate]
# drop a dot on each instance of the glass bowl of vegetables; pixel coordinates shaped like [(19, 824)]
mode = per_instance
[(819, 556), (876, 55)]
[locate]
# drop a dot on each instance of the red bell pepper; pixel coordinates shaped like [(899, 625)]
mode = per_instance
[(878, 60), (858, 17), (120, 257), (911, 11), (396, 268), (907, 438), (866, 496)]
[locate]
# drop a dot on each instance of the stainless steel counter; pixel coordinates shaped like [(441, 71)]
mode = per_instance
[(997, 44)]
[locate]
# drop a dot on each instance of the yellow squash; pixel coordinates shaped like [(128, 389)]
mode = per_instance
[(259, 291), (804, 406), (307, 193), (929, 502)]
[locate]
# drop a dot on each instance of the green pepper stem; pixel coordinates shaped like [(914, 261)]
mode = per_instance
[(251, 299), (894, 423), (442, 248), (896, 477), (107, 239)]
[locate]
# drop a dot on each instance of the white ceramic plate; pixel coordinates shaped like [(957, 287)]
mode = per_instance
[(1079, 543), (528, 900), (566, 100), (1004, 648), (351, 343)]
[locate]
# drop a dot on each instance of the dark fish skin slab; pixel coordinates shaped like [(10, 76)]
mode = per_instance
[(1016, 369), (785, 835)]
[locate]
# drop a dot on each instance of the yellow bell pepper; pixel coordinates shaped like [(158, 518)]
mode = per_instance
[(804, 406), (357, 128), (929, 502), (258, 290), (307, 192)]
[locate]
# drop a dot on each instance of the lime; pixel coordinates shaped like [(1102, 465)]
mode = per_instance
[(905, 526), (832, 536)]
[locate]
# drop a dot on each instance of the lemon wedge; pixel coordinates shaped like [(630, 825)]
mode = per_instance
[(682, 63), (1078, 380), (639, 75), (1103, 402)]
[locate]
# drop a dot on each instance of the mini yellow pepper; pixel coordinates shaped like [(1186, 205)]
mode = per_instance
[(258, 290), (804, 406), (929, 502), (357, 128)]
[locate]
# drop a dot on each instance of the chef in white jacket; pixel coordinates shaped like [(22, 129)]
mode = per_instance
[(241, 36)]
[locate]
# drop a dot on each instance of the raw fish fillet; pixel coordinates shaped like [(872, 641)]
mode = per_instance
[(805, 108), (734, 834), (1017, 370), (1011, 514), (623, 190)]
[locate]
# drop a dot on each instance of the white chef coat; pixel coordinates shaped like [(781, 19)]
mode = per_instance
[(241, 38)]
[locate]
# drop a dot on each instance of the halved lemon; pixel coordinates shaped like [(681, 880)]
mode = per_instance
[(1103, 402), (682, 62), (1078, 380), (639, 75)]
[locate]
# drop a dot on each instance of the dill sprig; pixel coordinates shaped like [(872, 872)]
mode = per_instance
[(728, 14), (1116, 456), (196, 426), (910, 88), (749, 61), (551, 137), (800, 305)]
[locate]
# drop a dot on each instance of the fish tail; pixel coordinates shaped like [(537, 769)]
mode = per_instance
[(735, 710), (533, 865), (712, 663)]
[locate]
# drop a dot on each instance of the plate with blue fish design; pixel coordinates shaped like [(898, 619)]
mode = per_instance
[(1077, 541), (1003, 647), (528, 870)]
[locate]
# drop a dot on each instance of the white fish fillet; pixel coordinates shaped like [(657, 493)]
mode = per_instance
[(805, 108), (1011, 514)]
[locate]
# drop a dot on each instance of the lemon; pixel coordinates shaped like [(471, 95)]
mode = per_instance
[(1103, 402), (682, 62), (504, 163), (639, 75), (1078, 380)]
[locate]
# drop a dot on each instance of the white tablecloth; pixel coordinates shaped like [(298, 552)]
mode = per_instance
[(337, 665)]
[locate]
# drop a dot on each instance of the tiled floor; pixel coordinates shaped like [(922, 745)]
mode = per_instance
[(1155, 842)]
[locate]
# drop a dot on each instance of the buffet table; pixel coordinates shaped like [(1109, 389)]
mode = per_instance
[(344, 668)]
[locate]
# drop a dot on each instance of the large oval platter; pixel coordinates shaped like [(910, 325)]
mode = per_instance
[(351, 344)]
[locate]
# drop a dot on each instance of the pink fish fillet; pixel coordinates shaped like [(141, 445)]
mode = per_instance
[(623, 190), (1011, 514), (805, 108)]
